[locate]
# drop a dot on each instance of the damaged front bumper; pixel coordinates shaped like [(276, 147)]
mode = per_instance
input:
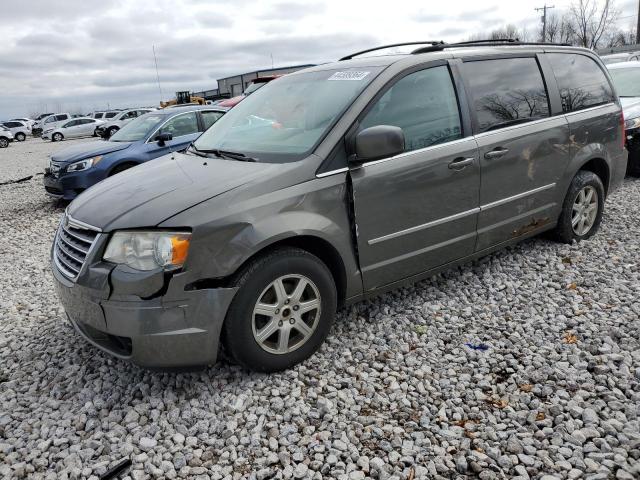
[(172, 327)]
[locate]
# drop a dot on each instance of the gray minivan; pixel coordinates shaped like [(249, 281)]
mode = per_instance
[(332, 184)]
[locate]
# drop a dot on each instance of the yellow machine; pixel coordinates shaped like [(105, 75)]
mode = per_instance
[(183, 98)]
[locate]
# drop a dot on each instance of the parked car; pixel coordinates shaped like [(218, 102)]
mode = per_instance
[(626, 78), (119, 120), (19, 129), (6, 137), (52, 122), (255, 84), (27, 121), (74, 128), (620, 57), (333, 184), (36, 129), (152, 135)]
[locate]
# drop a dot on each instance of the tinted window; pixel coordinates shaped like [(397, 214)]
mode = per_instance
[(129, 115), (209, 118), (138, 129), (423, 104), (506, 91), (12, 124), (98, 115), (110, 114), (581, 82), (72, 123), (61, 117), (184, 124)]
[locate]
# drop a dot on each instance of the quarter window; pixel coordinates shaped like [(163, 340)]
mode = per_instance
[(184, 124), (581, 81), (209, 118), (423, 104), (506, 91)]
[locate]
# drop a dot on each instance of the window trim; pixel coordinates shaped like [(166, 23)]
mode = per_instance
[(472, 111), (598, 63)]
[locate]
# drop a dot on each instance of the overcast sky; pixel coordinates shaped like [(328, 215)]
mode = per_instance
[(84, 54)]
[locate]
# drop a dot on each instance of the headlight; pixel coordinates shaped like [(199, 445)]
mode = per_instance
[(148, 250), (84, 164), (48, 131), (632, 123)]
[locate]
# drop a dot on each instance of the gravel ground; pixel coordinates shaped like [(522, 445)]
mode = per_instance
[(525, 364)]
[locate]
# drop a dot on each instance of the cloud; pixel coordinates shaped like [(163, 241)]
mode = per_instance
[(292, 11)]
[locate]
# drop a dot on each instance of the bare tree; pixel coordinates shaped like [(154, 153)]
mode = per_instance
[(592, 20), (506, 31), (560, 29)]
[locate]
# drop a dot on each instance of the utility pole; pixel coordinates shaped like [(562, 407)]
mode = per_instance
[(544, 19), (638, 26)]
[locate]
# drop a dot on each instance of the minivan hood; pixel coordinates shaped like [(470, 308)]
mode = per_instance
[(146, 195), (86, 150)]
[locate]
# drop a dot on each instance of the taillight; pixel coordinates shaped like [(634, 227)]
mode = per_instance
[(624, 135)]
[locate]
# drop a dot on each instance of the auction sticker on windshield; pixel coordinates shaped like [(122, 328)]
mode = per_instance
[(348, 75)]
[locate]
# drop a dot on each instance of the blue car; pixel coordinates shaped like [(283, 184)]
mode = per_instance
[(73, 170)]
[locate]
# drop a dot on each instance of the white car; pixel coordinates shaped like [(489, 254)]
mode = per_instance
[(74, 128), (121, 119), (27, 121), (19, 129), (51, 122), (5, 137)]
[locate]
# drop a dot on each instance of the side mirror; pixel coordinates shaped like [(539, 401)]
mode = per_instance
[(163, 138), (378, 142)]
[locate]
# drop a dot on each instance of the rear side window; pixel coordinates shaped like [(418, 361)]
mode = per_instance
[(581, 81), (110, 114), (184, 124), (209, 118), (506, 91), (98, 115), (423, 104)]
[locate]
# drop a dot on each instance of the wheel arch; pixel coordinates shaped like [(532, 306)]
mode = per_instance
[(601, 168), (120, 163)]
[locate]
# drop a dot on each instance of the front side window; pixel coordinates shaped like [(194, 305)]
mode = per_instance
[(72, 123), (61, 117), (424, 105), (581, 81), (138, 129), (110, 114), (129, 115), (506, 91), (50, 120), (284, 120), (180, 125), (211, 117)]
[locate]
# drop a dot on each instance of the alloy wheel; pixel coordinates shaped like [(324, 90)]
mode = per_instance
[(585, 210), (4, 143), (286, 314)]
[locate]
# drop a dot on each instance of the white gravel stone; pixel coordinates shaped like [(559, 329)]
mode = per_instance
[(394, 387)]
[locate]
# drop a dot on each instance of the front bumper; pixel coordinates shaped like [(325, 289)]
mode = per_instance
[(179, 329), (68, 186)]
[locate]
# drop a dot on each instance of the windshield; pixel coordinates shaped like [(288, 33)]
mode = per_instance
[(626, 81), (284, 120), (137, 129), (253, 87)]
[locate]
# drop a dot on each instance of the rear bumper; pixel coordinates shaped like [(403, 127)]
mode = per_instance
[(178, 330)]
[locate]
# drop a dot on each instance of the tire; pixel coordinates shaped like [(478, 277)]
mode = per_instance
[(4, 143), (633, 165), (286, 267), (57, 137), (21, 137), (586, 183), (95, 133), (112, 131), (121, 168)]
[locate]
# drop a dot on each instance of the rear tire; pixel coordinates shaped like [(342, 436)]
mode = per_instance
[(582, 208), (283, 310), (21, 137), (57, 137)]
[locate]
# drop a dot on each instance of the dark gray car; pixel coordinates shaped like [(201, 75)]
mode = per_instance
[(333, 184)]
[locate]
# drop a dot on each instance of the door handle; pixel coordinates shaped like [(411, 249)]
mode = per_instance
[(461, 163), (496, 153)]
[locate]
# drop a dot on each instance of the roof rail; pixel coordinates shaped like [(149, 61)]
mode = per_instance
[(478, 43), (429, 42)]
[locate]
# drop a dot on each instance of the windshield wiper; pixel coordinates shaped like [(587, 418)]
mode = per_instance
[(227, 154), (193, 149)]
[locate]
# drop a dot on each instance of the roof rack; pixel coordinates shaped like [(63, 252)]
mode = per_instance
[(429, 42), (477, 43)]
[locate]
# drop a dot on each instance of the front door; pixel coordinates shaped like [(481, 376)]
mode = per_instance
[(523, 151), (417, 210)]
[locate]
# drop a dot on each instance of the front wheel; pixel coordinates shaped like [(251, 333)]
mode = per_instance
[(112, 131), (21, 137), (4, 143), (582, 208), (57, 137), (283, 311)]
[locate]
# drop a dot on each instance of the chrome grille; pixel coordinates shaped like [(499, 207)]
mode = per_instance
[(72, 245)]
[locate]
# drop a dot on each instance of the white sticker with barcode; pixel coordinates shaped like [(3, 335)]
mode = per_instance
[(350, 75)]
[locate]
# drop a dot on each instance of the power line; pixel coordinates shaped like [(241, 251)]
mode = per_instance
[(544, 19)]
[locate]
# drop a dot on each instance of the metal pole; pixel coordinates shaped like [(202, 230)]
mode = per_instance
[(157, 74), (544, 20)]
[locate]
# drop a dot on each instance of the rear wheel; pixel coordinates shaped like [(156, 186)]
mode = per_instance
[(582, 208), (283, 311), (57, 137), (21, 137), (4, 143)]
